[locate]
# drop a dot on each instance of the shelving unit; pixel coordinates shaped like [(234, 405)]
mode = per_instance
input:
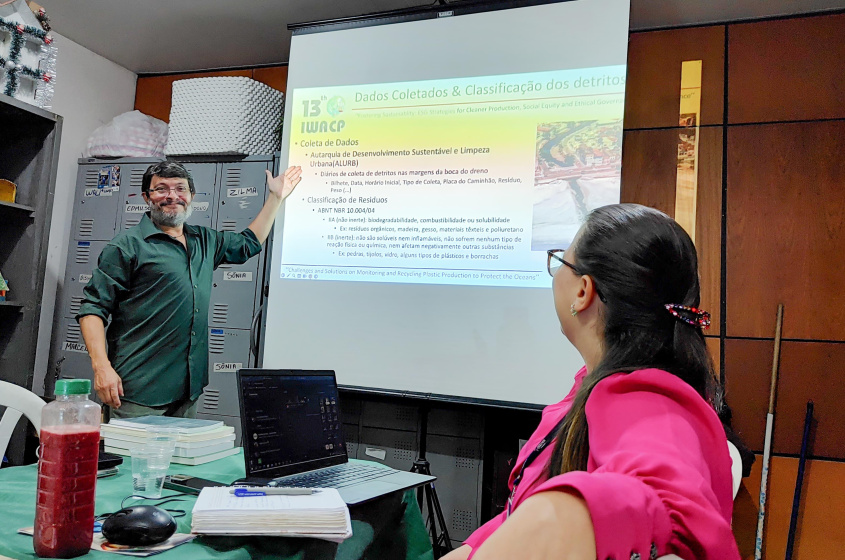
[(29, 154), (17, 206)]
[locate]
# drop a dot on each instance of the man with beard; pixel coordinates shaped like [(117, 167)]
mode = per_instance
[(154, 280)]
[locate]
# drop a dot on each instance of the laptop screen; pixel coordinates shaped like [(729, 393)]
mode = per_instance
[(291, 421)]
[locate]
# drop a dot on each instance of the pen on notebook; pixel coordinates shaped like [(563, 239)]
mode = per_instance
[(262, 491)]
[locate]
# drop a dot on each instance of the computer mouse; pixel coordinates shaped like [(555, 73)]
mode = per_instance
[(139, 526)]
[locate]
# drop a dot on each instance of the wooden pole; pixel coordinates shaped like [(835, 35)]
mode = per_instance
[(767, 449)]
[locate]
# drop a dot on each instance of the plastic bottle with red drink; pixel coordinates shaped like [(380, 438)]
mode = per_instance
[(67, 472)]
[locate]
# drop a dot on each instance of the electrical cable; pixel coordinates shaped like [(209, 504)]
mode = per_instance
[(158, 503)]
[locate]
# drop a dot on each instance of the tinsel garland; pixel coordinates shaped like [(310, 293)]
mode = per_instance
[(43, 20), (18, 32), (14, 53), (20, 28)]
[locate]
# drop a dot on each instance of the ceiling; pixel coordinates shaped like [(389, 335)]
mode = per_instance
[(159, 36)]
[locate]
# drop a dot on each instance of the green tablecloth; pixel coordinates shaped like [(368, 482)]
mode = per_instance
[(384, 529)]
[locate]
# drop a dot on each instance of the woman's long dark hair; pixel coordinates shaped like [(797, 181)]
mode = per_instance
[(640, 260)]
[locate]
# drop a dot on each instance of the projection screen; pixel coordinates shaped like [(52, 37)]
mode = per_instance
[(442, 156)]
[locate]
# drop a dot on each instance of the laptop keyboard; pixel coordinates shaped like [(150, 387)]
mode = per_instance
[(337, 476)]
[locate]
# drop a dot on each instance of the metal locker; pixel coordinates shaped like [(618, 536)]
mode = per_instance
[(454, 422), (132, 205), (234, 288), (457, 464), (204, 201), (81, 262), (233, 291), (350, 408), (241, 193), (70, 352), (394, 448), (350, 435), (389, 415), (94, 215), (228, 351)]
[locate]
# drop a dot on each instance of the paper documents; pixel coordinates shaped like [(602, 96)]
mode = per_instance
[(184, 425), (100, 543), (322, 515)]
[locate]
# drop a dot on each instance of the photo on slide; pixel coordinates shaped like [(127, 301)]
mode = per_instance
[(577, 168), (686, 142)]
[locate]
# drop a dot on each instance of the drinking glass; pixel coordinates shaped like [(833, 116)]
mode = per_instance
[(149, 467)]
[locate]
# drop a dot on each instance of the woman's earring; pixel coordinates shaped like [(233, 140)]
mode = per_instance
[(573, 310)]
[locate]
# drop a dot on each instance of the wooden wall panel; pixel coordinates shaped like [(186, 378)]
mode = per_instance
[(820, 531), (274, 76), (649, 171), (153, 94), (748, 367), (808, 370), (714, 347), (650, 168), (812, 371), (786, 229), (788, 69), (653, 86)]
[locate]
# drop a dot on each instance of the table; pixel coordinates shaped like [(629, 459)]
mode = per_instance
[(390, 528)]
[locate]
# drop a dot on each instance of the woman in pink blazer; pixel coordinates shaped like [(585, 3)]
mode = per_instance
[(633, 463)]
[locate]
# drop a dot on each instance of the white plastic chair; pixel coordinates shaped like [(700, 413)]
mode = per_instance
[(736, 467), (18, 401)]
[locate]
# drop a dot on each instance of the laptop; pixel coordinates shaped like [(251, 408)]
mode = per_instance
[(293, 436)]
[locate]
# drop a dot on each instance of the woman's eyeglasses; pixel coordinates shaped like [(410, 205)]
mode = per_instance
[(555, 260)]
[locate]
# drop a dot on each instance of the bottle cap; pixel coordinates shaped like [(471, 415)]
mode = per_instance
[(73, 387)]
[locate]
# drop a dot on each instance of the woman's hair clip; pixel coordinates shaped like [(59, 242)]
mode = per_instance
[(689, 315)]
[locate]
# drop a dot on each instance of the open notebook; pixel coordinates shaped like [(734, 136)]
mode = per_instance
[(322, 515)]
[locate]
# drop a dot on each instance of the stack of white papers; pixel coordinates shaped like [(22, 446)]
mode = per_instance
[(198, 441), (321, 515)]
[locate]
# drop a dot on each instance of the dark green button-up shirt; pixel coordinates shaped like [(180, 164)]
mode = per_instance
[(157, 295)]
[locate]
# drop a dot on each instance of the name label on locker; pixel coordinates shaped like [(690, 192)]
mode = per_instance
[(237, 276), (136, 208), (242, 191), (97, 192), (201, 206), (376, 453), (75, 347), (228, 368), (84, 278)]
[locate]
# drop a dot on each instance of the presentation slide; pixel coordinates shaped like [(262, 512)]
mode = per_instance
[(463, 181), (442, 156)]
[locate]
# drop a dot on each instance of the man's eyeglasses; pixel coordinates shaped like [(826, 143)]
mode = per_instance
[(555, 260), (162, 190)]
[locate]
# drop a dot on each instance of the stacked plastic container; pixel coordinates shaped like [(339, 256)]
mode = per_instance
[(67, 472), (224, 115)]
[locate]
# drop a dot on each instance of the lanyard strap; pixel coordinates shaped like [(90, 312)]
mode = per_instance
[(531, 458)]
